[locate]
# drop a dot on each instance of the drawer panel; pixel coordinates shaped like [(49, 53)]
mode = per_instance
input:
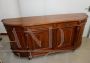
[(69, 24), (39, 27)]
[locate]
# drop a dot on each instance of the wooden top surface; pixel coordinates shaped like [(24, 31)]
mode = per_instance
[(38, 20)]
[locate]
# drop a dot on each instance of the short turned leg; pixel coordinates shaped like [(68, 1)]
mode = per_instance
[(30, 56)]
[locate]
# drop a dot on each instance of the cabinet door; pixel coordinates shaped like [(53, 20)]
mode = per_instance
[(17, 40), (38, 40), (64, 38)]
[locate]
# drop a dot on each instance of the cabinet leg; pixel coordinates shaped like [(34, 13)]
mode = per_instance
[(29, 58)]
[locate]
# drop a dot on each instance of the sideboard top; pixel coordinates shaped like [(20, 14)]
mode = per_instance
[(38, 20)]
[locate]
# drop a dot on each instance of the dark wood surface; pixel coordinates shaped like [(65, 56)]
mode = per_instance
[(72, 26)]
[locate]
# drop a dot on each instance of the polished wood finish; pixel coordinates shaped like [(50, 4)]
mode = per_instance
[(66, 28)]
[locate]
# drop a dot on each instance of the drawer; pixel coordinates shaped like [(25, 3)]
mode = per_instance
[(39, 27), (69, 24)]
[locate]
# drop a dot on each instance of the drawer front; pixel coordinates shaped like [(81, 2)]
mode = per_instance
[(39, 28), (68, 24)]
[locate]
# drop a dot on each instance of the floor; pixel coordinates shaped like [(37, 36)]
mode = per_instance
[(81, 55)]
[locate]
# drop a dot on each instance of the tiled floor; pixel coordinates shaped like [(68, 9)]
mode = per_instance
[(81, 55)]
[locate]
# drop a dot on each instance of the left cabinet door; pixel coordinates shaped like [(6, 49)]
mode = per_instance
[(17, 40)]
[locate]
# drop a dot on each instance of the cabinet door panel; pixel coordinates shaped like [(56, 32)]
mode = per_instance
[(17, 37), (38, 39), (64, 37), (17, 40)]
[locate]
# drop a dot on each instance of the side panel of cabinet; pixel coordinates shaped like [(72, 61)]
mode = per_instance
[(78, 35)]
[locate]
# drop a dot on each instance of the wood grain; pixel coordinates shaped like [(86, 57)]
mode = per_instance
[(72, 26)]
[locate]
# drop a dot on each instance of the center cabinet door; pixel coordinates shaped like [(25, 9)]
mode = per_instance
[(38, 39)]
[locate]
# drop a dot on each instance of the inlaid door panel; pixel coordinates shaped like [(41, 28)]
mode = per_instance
[(38, 39), (64, 37)]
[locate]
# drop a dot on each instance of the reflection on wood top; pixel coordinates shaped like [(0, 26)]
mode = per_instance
[(38, 20)]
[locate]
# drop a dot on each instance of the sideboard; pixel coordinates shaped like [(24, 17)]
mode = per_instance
[(41, 35)]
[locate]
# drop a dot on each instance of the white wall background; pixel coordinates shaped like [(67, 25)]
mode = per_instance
[(9, 8), (42, 7)]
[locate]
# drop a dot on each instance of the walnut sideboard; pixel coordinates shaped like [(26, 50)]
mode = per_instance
[(41, 35)]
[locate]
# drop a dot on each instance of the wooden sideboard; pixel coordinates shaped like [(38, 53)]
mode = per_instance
[(41, 35)]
